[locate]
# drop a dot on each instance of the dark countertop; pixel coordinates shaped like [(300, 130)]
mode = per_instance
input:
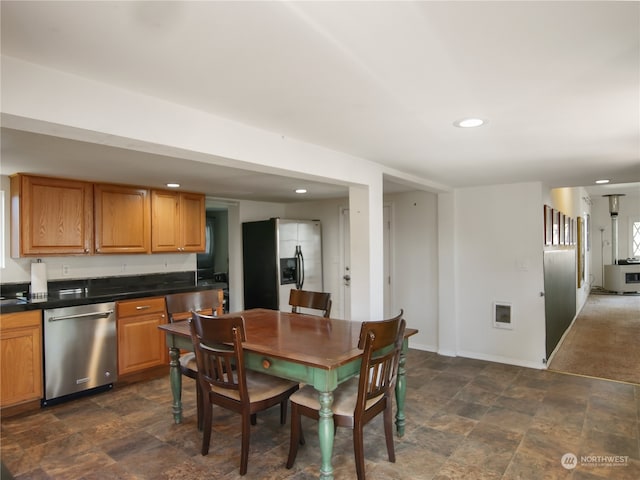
[(101, 290)]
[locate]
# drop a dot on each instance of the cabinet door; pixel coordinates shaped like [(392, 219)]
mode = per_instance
[(192, 222), (122, 219), (51, 216), (141, 344), (178, 221), (165, 221), (20, 357)]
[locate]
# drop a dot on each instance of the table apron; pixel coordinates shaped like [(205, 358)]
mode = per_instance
[(322, 379)]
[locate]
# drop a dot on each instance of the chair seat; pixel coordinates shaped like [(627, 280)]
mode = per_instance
[(260, 386), (188, 362), (344, 398)]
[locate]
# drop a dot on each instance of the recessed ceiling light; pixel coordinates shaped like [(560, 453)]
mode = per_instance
[(173, 185), (601, 182), (469, 122), (301, 190)]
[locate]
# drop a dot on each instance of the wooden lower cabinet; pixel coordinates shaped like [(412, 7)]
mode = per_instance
[(21, 376), (141, 345)]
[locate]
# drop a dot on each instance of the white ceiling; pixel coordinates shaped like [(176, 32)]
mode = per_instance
[(558, 83)]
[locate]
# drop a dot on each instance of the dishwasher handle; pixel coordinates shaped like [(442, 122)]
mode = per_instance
[(106, 313)]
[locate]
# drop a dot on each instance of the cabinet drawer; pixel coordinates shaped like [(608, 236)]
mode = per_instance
[(140, 307), (31, 318)]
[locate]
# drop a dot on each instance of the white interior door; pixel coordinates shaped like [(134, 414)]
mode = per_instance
[(346, 262), (386, 219)]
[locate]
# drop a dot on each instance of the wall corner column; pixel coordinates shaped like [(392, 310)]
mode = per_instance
[(447, 270), (366, 250)]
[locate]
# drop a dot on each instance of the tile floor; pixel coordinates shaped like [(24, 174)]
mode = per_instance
[(466, 419)]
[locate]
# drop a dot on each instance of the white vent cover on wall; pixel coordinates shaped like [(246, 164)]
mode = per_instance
[(502, 315)]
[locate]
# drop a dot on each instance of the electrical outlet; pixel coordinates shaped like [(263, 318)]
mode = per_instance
[(65, 270)]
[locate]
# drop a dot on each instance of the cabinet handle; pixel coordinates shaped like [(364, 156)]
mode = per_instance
[(143, 307)]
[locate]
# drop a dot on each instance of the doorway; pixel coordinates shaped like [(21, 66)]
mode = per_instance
[(213, 263)]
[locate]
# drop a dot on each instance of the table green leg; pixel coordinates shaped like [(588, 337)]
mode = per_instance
[(175, 377), (326, 433), (401, 389)]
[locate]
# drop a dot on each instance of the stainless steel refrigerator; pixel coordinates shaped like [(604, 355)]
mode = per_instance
[(279, 255)]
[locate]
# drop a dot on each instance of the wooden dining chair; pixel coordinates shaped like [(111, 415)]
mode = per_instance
[(179, 307), (224, 380), (361, 398), (307, 299)]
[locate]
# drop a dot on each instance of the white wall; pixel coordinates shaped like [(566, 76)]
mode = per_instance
[(499, 232), (415, 264)]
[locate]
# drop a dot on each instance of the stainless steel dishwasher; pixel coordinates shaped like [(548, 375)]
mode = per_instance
[(80, 350)]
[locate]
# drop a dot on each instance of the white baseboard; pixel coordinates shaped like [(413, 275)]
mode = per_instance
[(480, 356), (506, 360), (424, 348)]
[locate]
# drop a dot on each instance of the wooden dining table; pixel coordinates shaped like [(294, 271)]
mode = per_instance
[(319, 351)]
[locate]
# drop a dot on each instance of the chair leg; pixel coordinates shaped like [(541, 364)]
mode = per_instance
[(358, 449), (199, 406), (206, 428), (254, 418), (246, 435), (283, 412), (296, 437), (388, 431)]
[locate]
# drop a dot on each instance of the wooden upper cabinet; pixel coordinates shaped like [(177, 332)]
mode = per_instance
[(50, 216), (178, 221), (122, 219)]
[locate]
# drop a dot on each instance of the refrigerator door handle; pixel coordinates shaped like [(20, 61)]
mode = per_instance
[(299, 267)]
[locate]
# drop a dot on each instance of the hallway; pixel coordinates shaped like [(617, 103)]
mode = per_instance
[(603, 341)]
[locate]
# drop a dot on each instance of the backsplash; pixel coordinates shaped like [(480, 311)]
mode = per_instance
[(107, 285), (93, 266)]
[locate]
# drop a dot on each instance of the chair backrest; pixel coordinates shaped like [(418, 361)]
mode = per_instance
[(217, 344), (381, 342), (180, 305), (308, 299)]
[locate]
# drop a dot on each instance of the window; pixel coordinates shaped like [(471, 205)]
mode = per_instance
[(635, 237)]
